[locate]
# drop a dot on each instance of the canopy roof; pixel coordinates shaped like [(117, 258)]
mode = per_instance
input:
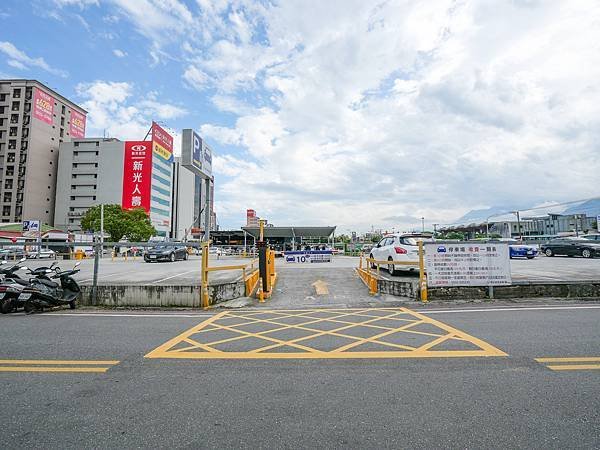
[(291, 232)]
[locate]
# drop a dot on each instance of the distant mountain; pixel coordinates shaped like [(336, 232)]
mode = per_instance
[(590, 207)]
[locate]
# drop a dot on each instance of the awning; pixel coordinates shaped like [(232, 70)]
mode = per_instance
[(291, 232)]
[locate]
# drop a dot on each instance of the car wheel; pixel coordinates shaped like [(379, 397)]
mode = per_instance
[(172, 257), (185, 256), (7, 306), (549, 252), (373, 266), (391, 267), (72, 304), (530, 257), (586, 253)]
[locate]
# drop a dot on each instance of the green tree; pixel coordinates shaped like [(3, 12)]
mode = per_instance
[(135, 224), (115, 223), (376, 238), (139, 227)]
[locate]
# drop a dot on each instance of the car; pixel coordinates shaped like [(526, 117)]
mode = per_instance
[(571, 247), (517, 249), (166, 252), (44, 253), (592, 237), (399, 247), (215, 251)]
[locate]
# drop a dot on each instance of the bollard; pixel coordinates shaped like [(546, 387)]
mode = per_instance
[(204, 275)]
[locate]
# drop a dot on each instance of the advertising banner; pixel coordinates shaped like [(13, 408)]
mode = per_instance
[(312, 256), (137, 175), (467, 264), (77, 127), (43, 106), (162, 142)]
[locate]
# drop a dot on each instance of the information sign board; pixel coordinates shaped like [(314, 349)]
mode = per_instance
[(467, 264), (312, 256)]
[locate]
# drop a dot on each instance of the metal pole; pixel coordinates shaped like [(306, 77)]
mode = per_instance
[(207, 210), (39, 239), (204, 276), (95, 278), (422, 279), (423, 224), (519, 226), (101, 228)]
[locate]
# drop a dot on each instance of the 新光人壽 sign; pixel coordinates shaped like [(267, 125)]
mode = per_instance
[(467, 264)]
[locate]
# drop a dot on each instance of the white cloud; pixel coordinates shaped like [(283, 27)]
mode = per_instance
[(16, 64), (118, 109), (81, 3), (363, 113), (21, 60), (119, 53)]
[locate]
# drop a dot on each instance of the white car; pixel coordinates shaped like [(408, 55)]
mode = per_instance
[(399, 247), (44, 253)]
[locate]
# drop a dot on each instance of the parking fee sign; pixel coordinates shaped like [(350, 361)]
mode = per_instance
[(467, 264), (31, 225)]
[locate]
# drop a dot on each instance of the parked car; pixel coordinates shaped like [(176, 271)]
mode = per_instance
[(399, 247), (44, 253), (572, 247), (166, 253), (516, 249), (592, 237)]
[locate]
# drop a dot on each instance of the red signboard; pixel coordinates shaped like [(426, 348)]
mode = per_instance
[(77, 128), (43, 106), (250, 214), (137, 175), (162, 137)]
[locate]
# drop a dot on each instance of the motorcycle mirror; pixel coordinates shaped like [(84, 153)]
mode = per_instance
[(77, 264), (24, 268), (49, 271)]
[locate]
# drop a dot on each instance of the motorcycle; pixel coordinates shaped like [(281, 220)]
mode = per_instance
[(42, 292), (11, 286)]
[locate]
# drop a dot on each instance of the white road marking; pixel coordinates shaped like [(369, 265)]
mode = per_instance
[(510, 308), (175, 276)]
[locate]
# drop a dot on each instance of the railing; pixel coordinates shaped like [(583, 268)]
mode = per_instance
[(370, 276)]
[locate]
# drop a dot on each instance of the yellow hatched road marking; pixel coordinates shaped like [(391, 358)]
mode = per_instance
[(569, 360), (199, 345), (576, 367)]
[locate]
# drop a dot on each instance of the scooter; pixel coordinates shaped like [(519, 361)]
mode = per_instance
[(42, 292), (11, 286)]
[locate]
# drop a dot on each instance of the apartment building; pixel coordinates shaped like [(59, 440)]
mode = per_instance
[(34, 121)]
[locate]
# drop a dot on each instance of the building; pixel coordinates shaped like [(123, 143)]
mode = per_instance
[(90, 173), (186, 198), (251, 218), (96, 171), (34, 121), (292, 238)]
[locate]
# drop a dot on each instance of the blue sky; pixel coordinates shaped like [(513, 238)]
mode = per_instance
[(345, 112)]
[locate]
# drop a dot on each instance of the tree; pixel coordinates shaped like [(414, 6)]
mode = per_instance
[(115, 223), (135, 224), (139, 227)]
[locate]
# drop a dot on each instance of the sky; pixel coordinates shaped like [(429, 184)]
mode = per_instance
[(358, 114)]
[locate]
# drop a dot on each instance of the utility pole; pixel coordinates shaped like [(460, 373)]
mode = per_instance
[(423, 224), (519, 225), (435, 229), (101, 229)]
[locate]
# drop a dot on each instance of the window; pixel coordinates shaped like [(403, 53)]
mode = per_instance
[(7, 197), (62, 132), (1, 122), (13, 131), (2, 109), (2, 97), (76, 144), (62, 121), (62, 110), (18, 211), (15, 106), (8, 184), (14, 118), (6, 210), (12, 145), (11, 158), (10, 171), (17, 93)]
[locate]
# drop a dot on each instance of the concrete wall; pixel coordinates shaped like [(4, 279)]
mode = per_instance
[(184, 190), (161, 296)]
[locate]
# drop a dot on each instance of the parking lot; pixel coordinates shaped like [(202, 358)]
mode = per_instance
[(130, 271)]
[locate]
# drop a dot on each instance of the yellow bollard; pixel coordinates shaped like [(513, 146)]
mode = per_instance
[(204, 276), (422, 275)]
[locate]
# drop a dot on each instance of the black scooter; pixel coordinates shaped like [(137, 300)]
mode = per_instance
[(42, 292), (11, 286)]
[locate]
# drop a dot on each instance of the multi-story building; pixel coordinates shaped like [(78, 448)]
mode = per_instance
[(34, 121), (251, 218), (90, 173)]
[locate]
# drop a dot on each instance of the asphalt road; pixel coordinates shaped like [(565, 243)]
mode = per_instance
[(136, 271), (508, 401)]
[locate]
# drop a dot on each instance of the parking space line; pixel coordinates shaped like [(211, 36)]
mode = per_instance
[(176, 275), (54, 369), (53, 365), (278, 330), (57, 362), (569, 360), (576, 367)]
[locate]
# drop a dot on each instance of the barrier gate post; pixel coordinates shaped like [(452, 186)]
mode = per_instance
[(263, 272), (204, 275), (422, 276)]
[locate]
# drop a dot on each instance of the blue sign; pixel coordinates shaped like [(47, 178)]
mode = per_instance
[(196, 150), (309, 256)]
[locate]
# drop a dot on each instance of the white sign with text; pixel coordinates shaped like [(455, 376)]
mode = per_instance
[(467, 264)]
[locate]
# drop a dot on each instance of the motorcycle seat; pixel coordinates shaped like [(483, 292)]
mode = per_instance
[(20, 281), (48, 283)]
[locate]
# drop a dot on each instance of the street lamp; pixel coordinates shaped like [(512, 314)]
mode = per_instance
[(423, 224)]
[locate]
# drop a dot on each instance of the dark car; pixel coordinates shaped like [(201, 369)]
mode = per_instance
[(572, 247), (592, 237), (166, 253)]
